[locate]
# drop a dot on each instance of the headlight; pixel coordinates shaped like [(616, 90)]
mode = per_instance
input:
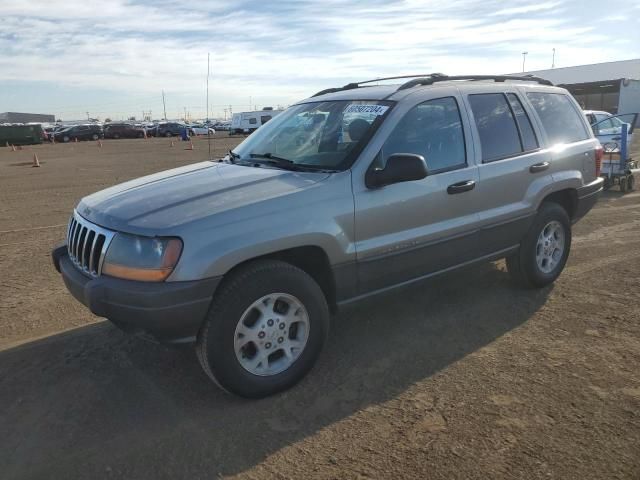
[(141, 258)]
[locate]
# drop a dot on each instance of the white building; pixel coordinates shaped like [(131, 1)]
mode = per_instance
[(610, 86)]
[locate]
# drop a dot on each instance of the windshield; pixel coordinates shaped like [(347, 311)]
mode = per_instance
[(320, 135)]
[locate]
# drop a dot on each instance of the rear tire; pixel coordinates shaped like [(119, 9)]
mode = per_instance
[(544, 250), (267, 310), (66, 139), (95, 136)]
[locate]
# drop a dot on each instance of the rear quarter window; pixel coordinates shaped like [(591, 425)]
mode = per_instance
[(560, 119)]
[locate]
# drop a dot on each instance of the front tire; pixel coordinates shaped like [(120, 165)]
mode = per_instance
[(265, 329), (545, 249)]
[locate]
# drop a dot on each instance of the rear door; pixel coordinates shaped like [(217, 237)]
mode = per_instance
[(512, 164), (408, 230), (608, 130), (567, 136)]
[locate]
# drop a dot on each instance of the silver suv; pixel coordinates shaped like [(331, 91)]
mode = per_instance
[(352, 192)]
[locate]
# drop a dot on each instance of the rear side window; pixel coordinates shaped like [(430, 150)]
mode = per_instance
[(253, 121), (559, 117), (527, 135), (499, 137), (432, 129)]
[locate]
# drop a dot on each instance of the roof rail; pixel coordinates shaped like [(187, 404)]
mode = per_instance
[(430, 80), (351, 86)]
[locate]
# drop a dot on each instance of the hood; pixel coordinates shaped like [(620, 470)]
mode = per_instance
[(155, 204)]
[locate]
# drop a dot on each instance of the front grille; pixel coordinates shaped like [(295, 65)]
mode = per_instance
[(87, 244)]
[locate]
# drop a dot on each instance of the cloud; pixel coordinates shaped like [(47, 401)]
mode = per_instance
[(119, 55)]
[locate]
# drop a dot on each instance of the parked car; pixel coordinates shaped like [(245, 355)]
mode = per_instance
[(197, 129), (123, 130), (222, 126), (347, 194), (608, 128), (79, 132), (169, 129)]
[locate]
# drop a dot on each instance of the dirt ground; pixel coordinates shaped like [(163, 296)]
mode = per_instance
[(464, 376)]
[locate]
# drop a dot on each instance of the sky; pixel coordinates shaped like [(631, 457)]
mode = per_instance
[(114, 58)]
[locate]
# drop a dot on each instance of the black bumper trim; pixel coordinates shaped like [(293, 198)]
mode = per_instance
[(170, 312), (587, 197)]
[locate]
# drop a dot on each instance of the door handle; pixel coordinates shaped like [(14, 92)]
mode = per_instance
[(539, 167), (461, 187)]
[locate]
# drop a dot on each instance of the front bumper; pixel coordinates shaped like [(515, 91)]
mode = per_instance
[(587, 197), (170, 312)]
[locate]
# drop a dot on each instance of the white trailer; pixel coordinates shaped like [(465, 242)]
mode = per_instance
[(248, 122)]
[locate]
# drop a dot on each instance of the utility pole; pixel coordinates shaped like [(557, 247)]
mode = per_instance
[(553, 59), (524, 58), (208, 88), (185, 114), (87, 115), (164, 105)]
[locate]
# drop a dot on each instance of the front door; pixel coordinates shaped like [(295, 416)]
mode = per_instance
[(409, 230)]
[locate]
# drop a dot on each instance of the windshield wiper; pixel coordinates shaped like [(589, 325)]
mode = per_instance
[(276, 161)]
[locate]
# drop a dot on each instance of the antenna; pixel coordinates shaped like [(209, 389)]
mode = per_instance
[(208, 128)]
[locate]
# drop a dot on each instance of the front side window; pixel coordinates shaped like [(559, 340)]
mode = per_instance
[(432, 129), (264, 119), (559, 117), (320, 135), (499, 137)]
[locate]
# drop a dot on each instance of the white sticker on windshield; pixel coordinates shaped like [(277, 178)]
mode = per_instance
[(370, 109)]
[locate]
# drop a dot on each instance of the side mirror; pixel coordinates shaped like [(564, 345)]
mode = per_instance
[(401, 167)]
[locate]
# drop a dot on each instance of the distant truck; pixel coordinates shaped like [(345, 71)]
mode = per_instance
[(248, 122)]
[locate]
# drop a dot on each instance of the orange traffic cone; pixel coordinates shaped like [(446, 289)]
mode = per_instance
[(36, 162)]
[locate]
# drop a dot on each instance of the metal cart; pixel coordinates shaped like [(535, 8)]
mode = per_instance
[(617, 167)]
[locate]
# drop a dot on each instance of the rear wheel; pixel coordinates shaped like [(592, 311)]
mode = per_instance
[(95, 136), (264, 330), (66, 139), (544, 251)]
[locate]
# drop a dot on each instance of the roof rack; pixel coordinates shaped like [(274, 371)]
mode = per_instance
[(431, 79), (351, 86)]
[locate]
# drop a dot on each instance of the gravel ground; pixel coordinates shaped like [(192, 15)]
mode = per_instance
[(464, 376)]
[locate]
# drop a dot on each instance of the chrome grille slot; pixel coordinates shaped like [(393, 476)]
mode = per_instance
[(87, 244)]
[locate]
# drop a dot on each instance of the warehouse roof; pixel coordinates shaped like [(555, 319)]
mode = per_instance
[(596, 72)]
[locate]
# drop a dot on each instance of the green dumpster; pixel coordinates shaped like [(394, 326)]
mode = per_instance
[(20, 134)]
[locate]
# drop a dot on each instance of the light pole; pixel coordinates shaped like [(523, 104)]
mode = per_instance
[(553, 59), (524, 59)]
